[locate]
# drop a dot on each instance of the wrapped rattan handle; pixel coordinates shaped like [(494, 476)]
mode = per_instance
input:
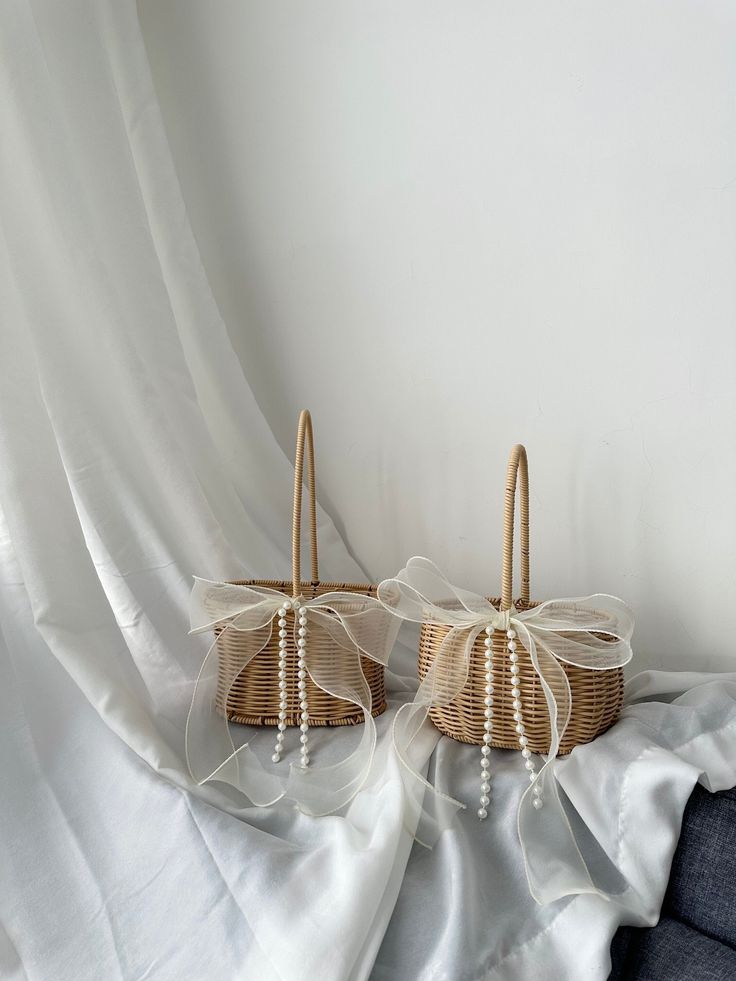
[(517, 465), (304, 436)]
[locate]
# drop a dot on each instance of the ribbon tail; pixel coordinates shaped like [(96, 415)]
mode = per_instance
[(552, 847), (326, 789), (430, 809), (211, 753)]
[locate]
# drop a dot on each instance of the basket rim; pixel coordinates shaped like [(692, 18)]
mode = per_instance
[(308, 585)]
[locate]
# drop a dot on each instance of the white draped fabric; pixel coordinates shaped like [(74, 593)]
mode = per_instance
[(133, 455)]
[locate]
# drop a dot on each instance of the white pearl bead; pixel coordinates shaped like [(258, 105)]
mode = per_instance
[(301, 642), (485, 750), (538, 789), (485, 787), (489, 689), (282, 716), (484, 766), (515, 693), (301, 685), (511, 633), (282, 726), (538, 803), (523, 740), (283, 633), (301, 674), (489, 677), (488, 700), (304, 727), (482, 813), (282, 622), (282, 612), (516, 703), (520, 728), (487, 737), (487, 725), (518, 717), (304, 705), (282, 644), (275, 757), (485, 800), (526, 753), (515, 669), (488, 642), (489, 630), (287, 605), (532, 776), (302, 631), (282, 674), (528, 764), (303, 739), (282, 685), (305, 761), (513, 658), (305, 716), (511, 646)]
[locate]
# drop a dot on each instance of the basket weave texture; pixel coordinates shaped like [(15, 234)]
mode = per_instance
[(597, 696), (253, 698)]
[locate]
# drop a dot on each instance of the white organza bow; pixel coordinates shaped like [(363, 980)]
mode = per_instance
[(592, 632), (354, 624)]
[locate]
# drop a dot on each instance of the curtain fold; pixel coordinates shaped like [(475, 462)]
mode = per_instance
[(133, 451)]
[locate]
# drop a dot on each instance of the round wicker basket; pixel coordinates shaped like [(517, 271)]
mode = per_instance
[(597, 696), (253, 698)]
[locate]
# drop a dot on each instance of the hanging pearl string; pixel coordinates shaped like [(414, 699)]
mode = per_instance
[(283, 703), (519, 716), (301, 644), (485, 777)]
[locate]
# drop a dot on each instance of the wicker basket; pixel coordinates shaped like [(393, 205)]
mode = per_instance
[(253, 698), (597, 696)]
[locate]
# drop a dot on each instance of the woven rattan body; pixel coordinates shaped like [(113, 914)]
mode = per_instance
[(597, 697), (254, 696)]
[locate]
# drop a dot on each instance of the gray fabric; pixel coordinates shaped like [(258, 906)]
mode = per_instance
[(695, 938), (702, 887), (673, 951)]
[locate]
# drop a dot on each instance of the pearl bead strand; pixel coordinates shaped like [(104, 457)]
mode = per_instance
[(301, 644), (283, 703), (519, 717), (485, 777)]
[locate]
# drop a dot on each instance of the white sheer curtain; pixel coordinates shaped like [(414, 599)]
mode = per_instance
[(133, 452), (132, 455)]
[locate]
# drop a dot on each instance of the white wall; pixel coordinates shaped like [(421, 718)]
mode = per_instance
[(450, 226)]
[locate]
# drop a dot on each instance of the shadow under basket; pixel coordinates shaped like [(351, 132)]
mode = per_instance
[(254, 695), (596, 696)]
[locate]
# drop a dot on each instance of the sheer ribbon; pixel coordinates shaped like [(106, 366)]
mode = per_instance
[(556, 632), (354, 624)]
